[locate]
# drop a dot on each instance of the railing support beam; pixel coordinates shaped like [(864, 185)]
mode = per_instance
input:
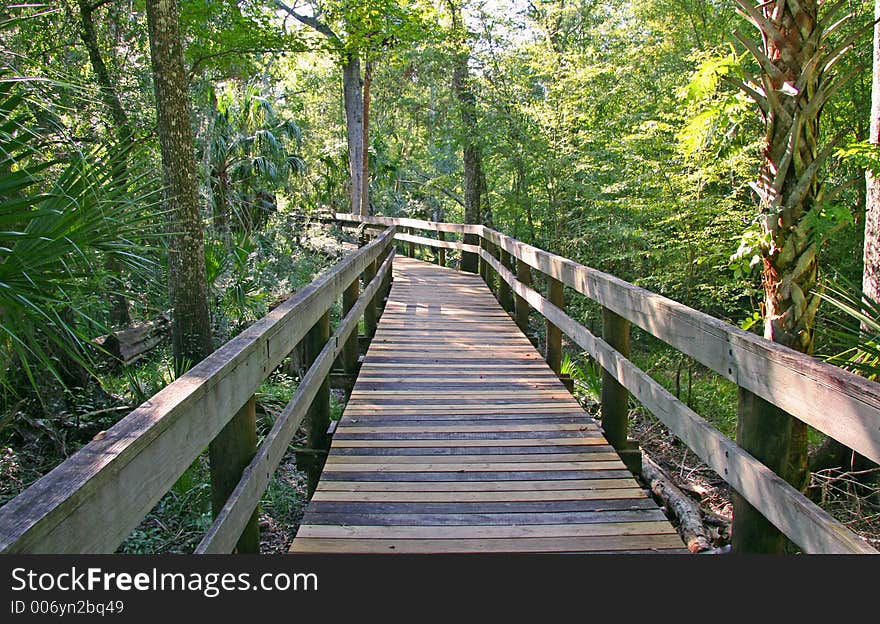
[(441, 252), (614, 396), (470, 261), (523, 275), (317, 419), (370, 316), (505, 296), (350, 349), (553, 352), (763, 430), (229, 454)]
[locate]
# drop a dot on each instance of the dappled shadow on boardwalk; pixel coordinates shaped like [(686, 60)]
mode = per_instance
[(459, 438)]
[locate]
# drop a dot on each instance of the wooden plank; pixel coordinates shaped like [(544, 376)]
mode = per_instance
[(501, 507), (535, 408), (345, 460), (475, 486), (418, 224), (487, 452), (114, 482), (386, 444), (485, 466), (524, 475), (501, 435), (412, 420), (578, 427), (797, 383), (507, 496), (554, 544), (435, 243), (486, 519), (486, 532)]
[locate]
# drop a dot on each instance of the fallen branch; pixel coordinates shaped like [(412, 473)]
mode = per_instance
[(686, 511), (126, 346)]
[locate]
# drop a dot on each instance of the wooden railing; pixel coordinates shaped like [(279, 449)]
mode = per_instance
[(844, 406), (92, 501)]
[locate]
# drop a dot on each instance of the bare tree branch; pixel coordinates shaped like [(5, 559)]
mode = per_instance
[(310, 21)]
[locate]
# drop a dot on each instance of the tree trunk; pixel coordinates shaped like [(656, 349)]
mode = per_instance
[(871, 276), (191, 326), (793, 90), (354, 125), (472, 157), (365, 194), (119, 312)]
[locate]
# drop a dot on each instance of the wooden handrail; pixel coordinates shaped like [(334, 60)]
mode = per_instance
[(836, 402), (94, 499), (791, 512), (228, 525)]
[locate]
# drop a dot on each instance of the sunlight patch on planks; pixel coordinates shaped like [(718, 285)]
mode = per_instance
[(459, 438)]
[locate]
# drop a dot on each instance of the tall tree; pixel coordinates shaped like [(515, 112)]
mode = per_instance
[(353, 96), (471, 154), (119, 312), (795, 81), (191, 326), (871, 275)]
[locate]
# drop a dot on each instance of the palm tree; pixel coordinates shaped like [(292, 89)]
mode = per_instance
[(249, 152), (797, 75), (61, 221)]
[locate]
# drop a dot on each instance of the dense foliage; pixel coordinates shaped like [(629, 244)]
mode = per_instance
[(616, 133)]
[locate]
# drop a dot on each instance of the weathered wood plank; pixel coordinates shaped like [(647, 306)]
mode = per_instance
[(459, 444), (497, 519), (497, 545), (447, 497), (346, 460), (476, 486), (486, 531), (464, 475), (418, 224)]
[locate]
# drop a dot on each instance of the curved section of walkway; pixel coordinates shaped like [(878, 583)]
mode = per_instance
[(459, 438)]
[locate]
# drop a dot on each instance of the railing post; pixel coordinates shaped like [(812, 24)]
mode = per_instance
[(615, 397), (412, 245), (441, 252), (505, 295), (484, 266), (377, 303), (370, 316), (230, 453), (553, 354), (470, 261), (524, 276), (317, 419), (762, 431), (492, 276), (350, 348)]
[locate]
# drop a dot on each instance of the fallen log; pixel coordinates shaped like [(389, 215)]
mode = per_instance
[(128, 345), (685, 511)]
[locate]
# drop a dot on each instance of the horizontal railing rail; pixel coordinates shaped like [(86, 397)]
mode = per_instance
[(842, 405), (93, 500)]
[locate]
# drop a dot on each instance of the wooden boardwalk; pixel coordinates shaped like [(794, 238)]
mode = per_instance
[(459, 438)]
